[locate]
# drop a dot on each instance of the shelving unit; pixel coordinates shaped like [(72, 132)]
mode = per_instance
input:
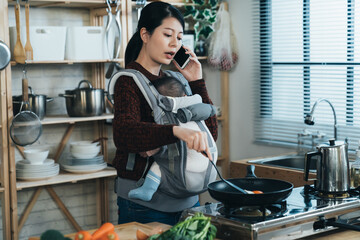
[(11, 224), (9, 185)]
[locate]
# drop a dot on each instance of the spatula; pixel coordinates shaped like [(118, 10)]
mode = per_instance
[(19, 52), (28, 47)]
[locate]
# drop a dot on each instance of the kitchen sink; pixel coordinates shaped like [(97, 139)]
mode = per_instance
[(296, 162)]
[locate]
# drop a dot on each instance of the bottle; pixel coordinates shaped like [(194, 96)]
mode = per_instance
[(355, 171)]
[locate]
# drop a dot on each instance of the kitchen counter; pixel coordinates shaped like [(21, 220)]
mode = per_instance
[(238, 170), (127, 231)]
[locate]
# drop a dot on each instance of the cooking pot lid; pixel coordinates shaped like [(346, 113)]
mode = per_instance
[(4, 55)]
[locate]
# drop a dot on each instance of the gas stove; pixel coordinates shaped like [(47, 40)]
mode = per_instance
[(305, 212)]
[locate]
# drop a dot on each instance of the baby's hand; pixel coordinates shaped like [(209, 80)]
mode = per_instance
[(149, 153)]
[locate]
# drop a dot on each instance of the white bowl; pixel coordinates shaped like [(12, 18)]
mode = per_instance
[(36, 156), (85, 149), (84, 155), (83, 143)]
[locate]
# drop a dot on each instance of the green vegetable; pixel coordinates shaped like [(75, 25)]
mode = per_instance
[(53, 235), (197, 227)]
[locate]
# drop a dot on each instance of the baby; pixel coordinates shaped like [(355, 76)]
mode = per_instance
[(196, 163)]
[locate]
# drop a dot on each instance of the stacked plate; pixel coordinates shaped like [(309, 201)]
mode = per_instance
[(84, 158), (27, 171), (86, 165)]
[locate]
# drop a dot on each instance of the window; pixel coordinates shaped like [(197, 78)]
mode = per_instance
[(307, 50)]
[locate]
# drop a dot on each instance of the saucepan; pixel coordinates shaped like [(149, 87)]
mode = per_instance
[(37, 103), (274, 191), (84, 102)]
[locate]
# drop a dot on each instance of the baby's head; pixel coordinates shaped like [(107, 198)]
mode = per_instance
[(169, 86)]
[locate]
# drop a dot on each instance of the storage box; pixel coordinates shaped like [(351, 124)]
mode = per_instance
[(85, 43), (48, 43)]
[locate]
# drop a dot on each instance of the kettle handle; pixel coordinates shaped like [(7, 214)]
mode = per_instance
[(308, 158)]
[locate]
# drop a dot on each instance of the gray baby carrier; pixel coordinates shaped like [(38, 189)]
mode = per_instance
[(171, 158)]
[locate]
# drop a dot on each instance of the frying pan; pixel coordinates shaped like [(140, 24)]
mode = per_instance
[(274, 191)]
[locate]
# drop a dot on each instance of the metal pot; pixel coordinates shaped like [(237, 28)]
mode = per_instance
[(37, 104), (84, 102), (332, 172)]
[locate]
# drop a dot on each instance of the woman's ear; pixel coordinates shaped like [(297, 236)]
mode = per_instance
[(144, 34)]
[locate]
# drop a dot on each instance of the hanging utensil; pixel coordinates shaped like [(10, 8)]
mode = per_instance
[(117, 46), (28, 48), (227, 182), (4, 55), (140, 4), (26, 127), (19, 52)]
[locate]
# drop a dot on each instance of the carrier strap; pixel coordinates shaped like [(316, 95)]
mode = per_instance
[(130, 162), (173, 152), (212, 149)]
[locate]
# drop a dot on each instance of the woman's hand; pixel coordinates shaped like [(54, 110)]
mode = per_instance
[(196, 140), (193, 70)]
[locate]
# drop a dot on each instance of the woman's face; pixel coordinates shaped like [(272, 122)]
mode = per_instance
[(165, 41)]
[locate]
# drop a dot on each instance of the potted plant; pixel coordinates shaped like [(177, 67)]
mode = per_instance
[(203, 14)]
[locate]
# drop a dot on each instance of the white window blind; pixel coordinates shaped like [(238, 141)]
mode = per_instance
[(306, 50)]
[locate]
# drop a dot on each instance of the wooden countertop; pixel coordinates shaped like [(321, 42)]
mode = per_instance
[(126, 231), (337, 234)]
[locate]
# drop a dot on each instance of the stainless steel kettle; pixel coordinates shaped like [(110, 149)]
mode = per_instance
[(332, 168)]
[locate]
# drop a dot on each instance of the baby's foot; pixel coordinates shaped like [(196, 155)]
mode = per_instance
[(147, 190)]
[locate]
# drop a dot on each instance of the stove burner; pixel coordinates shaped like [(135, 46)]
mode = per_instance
[(254, 213), (334, 195), (311, 192)]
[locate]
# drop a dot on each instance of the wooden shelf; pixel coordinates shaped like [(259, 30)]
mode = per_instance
[(65, 119), (13, 63), (66, 177), (62, 3)]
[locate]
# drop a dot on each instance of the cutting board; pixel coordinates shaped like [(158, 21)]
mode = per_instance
[(126, 231)]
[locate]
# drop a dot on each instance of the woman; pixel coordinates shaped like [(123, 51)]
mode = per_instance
[(157, 39)]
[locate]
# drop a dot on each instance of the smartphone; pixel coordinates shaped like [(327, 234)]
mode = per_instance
[(181, 58)]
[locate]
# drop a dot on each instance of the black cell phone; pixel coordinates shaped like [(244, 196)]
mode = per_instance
[(181, 58)]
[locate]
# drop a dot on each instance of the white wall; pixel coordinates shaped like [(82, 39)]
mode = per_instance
[(242, 109)]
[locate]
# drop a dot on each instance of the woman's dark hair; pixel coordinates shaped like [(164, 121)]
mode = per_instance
[(169, 86), (151, 17)]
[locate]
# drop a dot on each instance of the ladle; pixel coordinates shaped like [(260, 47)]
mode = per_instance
[(229, 183)]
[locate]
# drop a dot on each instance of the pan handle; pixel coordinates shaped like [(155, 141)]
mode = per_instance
[(250, 171), (308, 159), (66, 95)]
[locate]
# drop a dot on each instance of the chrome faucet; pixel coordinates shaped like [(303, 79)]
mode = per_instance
[(309, 119)]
